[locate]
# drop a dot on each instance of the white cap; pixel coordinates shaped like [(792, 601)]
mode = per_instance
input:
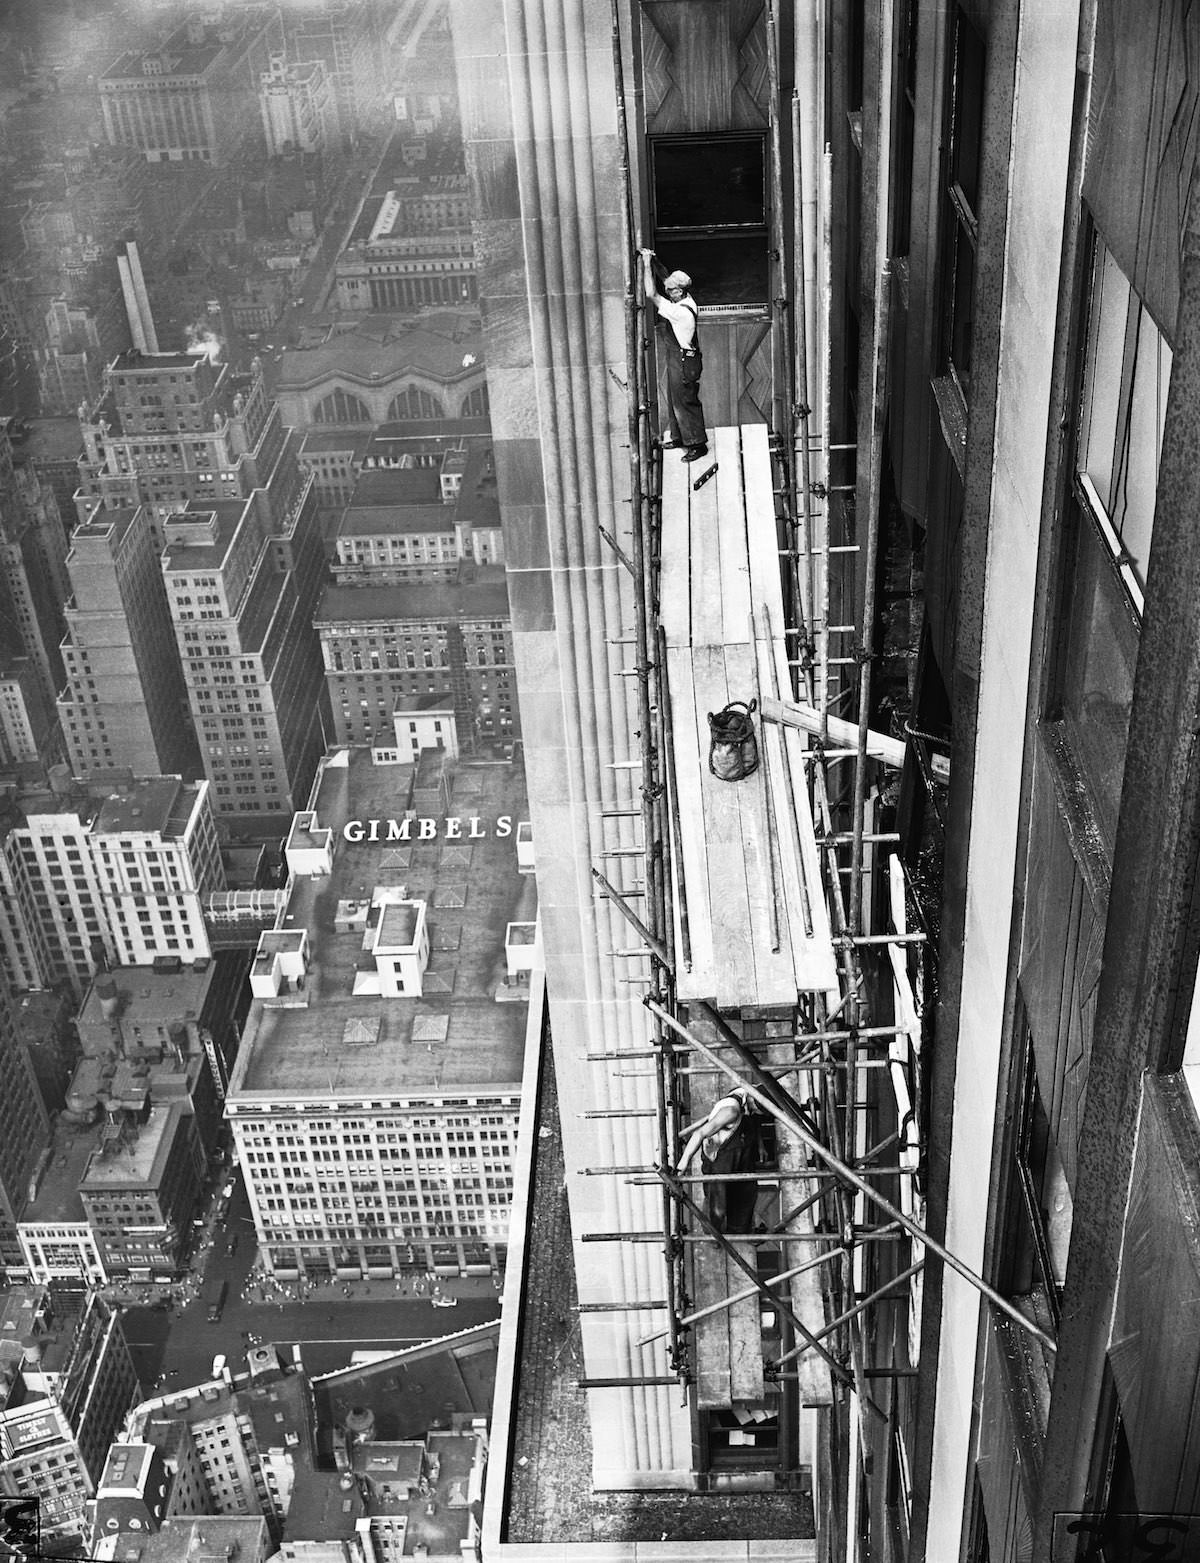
[(677, 279)]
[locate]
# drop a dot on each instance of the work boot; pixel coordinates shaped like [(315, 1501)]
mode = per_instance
[(694, 452)]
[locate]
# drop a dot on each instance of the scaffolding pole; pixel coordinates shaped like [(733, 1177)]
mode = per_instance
[(793, 1119), (658, 934)]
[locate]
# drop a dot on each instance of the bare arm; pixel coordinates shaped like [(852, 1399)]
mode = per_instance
[(648, 281), (724, 1114)]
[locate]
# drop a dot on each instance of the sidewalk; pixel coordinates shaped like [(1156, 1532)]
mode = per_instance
[(413, 1284)]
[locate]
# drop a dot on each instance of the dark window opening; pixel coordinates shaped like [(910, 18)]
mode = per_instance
[(906, 119), (1094, 658), (960, 202), (709, 213), (1038, 1216), (978, 1548)]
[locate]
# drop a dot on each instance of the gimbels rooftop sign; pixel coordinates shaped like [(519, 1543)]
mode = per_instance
[(453, 827)]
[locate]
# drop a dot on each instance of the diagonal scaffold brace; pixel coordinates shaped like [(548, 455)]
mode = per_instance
[(767, 1092)]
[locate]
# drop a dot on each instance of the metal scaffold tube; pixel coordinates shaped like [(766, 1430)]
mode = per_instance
[(659, 932), (768, 1094), (801, 408)]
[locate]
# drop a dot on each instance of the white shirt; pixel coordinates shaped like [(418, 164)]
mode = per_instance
[(682, 317)]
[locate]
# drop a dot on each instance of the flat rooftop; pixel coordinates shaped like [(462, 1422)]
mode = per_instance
[(132, 360), (57, 1200), (116, 520), (151, 996), (140, 1162), (395, 520), (316, 440), (409, 1391), (485, 597), (398, 486), (53, 439), (456, 1035), (160, 804)]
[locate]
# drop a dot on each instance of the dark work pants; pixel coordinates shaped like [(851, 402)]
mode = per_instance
[(683, 395)]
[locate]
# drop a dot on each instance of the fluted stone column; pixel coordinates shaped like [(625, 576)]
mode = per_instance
[(539, 116)]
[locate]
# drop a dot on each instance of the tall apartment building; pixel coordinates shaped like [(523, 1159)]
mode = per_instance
[(67, 1384), (243, 578), (205, 453), (172, 427), (26, 727), (375, 1097), (24, 1129), (33, 581), (195, 97), (299, 108), (118, 876), (383, 644), (125, 703)]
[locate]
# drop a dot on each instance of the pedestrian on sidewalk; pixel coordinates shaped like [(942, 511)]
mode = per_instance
[(679, 336)]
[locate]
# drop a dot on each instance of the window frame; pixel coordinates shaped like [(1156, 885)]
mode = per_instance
[(959, 219)]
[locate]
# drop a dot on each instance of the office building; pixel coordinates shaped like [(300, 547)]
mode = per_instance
[(299, 108), (344, 36), (384, 645), (205, 454), (124, 704), (26, 726), (24, 1129), (33, 581), (236, 1446), (72, 363), (242, 579), (397, 527), (118, 874), (45, 1024), (68, 1382), (383, 1049), (136, 1130), (194, 98)]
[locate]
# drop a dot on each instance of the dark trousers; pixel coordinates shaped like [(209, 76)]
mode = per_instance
[(683, 395)]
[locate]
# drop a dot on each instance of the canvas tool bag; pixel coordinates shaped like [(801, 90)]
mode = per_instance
[(733, 747)]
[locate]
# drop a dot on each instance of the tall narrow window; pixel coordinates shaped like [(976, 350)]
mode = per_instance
[(1038, 1228), (1126, 374), (906, 119), (960, 204)]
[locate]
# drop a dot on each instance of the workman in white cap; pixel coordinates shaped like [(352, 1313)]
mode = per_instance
[(680, 335)]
